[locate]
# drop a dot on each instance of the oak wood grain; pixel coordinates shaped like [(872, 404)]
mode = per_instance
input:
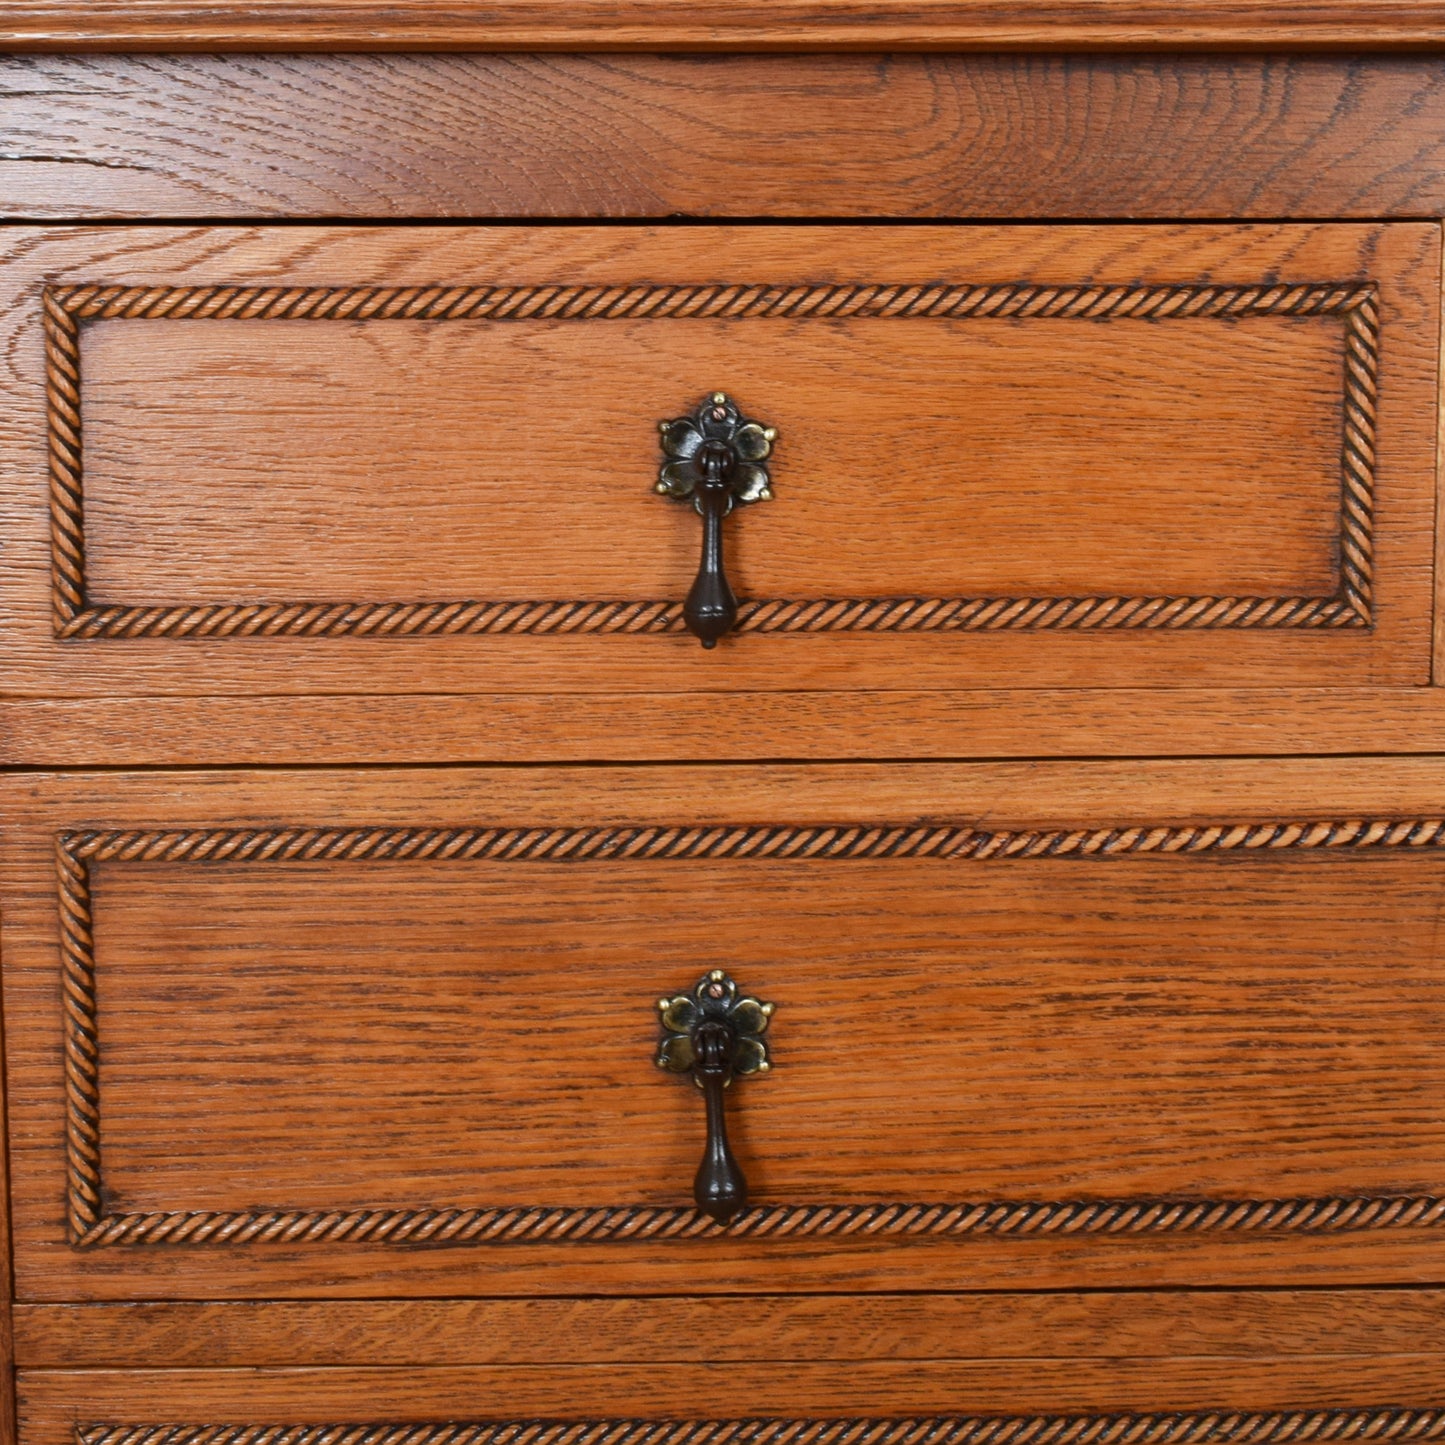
[(7, 1280), (1438, 664), (1099, 1325), (1242, 1023), (212, 1098), (958, 1428), (412, 136), (250, 978), (1028, 443), (47, 25), (53, 1403), (123, 731), (169, 403)]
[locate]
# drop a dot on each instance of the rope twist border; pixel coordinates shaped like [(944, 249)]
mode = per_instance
[(1126, 1427), (90, 1224), (66, 308)]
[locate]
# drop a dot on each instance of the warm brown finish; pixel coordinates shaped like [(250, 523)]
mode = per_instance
[(1162, 1119), (81, 855), (1238, 1324), (1349, 604), (54, 1403), (121, 731), (1044, 536), (729, 24), (1106, 1101), (1127, 136), (1259, 1428), (7, 1291)]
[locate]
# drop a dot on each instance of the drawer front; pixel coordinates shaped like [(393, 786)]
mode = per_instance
[(395, 1033), (1265, 1401), (409, 459)]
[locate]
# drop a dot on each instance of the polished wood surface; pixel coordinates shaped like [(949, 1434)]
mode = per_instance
[(174, 515), (375, 521), (47, 25), (971, 1428), (126, 731), (288, 1051), (7, 1286), (214, 1095), (52, 1403), (299, 991), (1139, 136), (1137, 1324)]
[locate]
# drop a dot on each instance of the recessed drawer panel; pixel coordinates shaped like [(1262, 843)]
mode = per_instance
[(340, 460), (1149, 1024)]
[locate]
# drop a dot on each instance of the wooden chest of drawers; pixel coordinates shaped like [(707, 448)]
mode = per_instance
[(1038, 872)]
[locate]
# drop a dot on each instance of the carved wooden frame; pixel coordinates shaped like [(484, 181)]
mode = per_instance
[(89, 1224), (67, 307), (1122, 1427)]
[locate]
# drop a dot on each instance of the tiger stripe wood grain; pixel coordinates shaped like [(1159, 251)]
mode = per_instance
[(822, 726), (329, 1092)]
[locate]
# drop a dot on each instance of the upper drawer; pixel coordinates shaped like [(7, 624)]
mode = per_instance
[(417, 459), (1036, 1026)]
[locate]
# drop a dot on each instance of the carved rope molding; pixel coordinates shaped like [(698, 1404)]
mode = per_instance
[(1191, 1427), (67, 307), (89, 1223)]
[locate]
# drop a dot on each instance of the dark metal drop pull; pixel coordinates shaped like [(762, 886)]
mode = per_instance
[(715, 1035), (715, 457)]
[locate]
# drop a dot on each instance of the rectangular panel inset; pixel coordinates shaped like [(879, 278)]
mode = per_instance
[(423, 1034), (962, 456)]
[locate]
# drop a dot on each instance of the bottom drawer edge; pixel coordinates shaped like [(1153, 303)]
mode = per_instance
[(1261, 1399)]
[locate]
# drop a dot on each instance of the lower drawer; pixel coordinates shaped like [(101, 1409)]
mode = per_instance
[(394, 1033), (1270, 1398)]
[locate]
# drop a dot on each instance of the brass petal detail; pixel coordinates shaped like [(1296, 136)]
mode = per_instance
[(749, 1016), (751, 442), (680, 438), (675, 1053), (678, 478), (749, 1056), (679, 1014), (750, 482)]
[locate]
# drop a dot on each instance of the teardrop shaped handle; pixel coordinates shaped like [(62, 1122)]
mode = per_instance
[(711, 609), (715, 459), (720, 1187), (715, 1034)]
